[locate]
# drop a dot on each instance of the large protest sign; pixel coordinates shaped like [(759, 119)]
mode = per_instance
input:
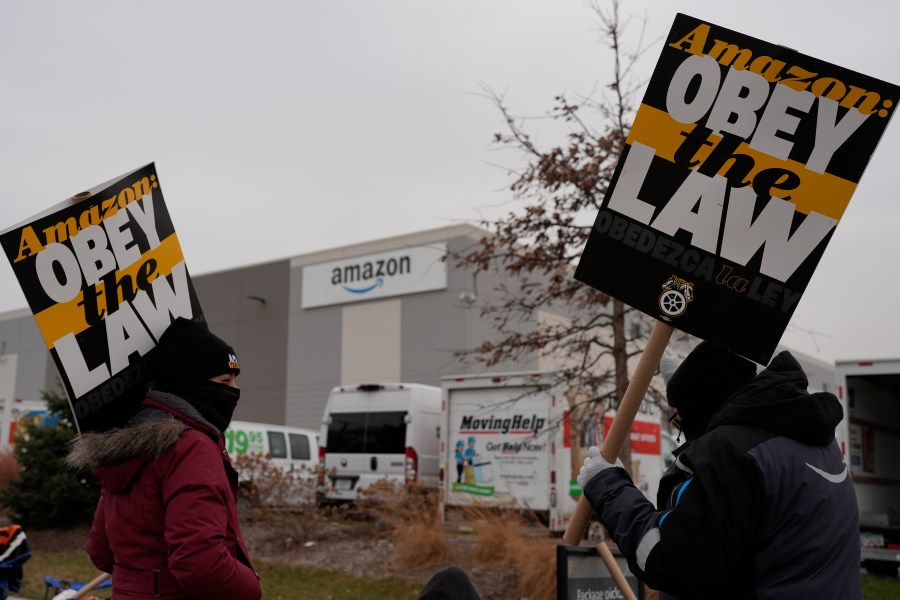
[(740, 163), (104, 275)]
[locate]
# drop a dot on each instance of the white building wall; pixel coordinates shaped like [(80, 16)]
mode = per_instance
[(370, 342)]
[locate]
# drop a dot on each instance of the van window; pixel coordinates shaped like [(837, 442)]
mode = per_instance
[(299, 446), (373, 433), (347, 433), (277, 445)]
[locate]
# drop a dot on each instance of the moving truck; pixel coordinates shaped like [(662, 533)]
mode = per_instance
[(870, 438), (379, 431), (507, 439)]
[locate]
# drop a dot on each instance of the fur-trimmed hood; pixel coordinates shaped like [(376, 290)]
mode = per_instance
[(150, 438), (117, 456)]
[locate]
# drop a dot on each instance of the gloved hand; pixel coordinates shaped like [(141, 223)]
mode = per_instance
[(593, 464), (65, 595), (668, 363)]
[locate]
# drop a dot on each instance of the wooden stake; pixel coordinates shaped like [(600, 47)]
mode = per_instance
[(91, 585), (613, 567)]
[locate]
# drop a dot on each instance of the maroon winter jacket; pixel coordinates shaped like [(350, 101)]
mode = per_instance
[(166, 524)]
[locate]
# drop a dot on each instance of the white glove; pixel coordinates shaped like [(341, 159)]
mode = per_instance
[(593, 464), (668, 363), (65, 595)]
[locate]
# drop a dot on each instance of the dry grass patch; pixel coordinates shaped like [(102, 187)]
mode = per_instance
[(408, 513), (499, 539), (536, 567), (421, 546), (510, 539)]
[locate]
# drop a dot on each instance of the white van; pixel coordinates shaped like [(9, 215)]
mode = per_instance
[(379, 431), (290, 448)]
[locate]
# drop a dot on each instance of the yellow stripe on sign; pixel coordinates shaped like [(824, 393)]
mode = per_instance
[(68, 317), (821, 192)]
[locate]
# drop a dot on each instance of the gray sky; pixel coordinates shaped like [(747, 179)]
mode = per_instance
[(280, 128)]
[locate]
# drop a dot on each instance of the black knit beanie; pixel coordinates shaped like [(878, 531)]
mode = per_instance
[(702, 383), (189, 352)]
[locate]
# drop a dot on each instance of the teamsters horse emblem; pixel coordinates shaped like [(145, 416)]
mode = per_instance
[(676, 295)]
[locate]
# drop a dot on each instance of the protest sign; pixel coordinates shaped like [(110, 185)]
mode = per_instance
[(740, 163), (104, 275)]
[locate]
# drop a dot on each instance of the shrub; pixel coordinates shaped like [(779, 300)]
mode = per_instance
[(48, 493), (265, 485), (284, 500)]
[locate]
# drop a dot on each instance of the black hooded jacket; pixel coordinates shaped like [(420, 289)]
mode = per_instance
[(759, 506)]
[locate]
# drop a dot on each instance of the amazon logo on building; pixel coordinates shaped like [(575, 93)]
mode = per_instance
[(361, 278), (393, 273)]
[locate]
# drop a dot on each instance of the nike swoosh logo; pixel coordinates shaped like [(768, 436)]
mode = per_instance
[(832, 477)]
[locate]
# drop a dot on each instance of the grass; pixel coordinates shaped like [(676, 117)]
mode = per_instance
[(286, 582), (70, 566), (880, 588), (280, 581)]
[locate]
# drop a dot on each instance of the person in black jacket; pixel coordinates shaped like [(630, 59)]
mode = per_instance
[(759, 502)]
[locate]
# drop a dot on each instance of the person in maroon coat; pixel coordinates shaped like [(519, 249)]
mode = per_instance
[(166, 525)]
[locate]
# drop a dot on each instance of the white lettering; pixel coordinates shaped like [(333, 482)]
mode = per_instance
[(705, 223), (93, 253), (783, 252), (125, 335), (175, 301), (121, 239), (81, 378), (58, 254), (776, 119), (742, 94), (624, 197), (831, 133), (145, 219), (690, 111)]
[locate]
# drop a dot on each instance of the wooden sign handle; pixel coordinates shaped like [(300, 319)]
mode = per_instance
[(91, 585), (613, 567), (621, 425)]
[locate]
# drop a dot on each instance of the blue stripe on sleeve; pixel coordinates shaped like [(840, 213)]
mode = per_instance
[(677, 500), (681, 491)]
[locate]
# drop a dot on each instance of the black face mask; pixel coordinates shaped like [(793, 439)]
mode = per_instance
[(694, 425), (215, 401)]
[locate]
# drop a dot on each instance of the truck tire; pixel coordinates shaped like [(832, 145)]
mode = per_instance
[(880, 567)]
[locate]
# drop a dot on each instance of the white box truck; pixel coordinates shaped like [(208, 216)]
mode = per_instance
[(506, 442), (870, 438), (379, 431)]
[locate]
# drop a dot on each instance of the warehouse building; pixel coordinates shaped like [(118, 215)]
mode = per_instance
[(390, 310)]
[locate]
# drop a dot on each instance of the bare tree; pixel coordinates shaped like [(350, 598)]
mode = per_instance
[(558, 193)]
